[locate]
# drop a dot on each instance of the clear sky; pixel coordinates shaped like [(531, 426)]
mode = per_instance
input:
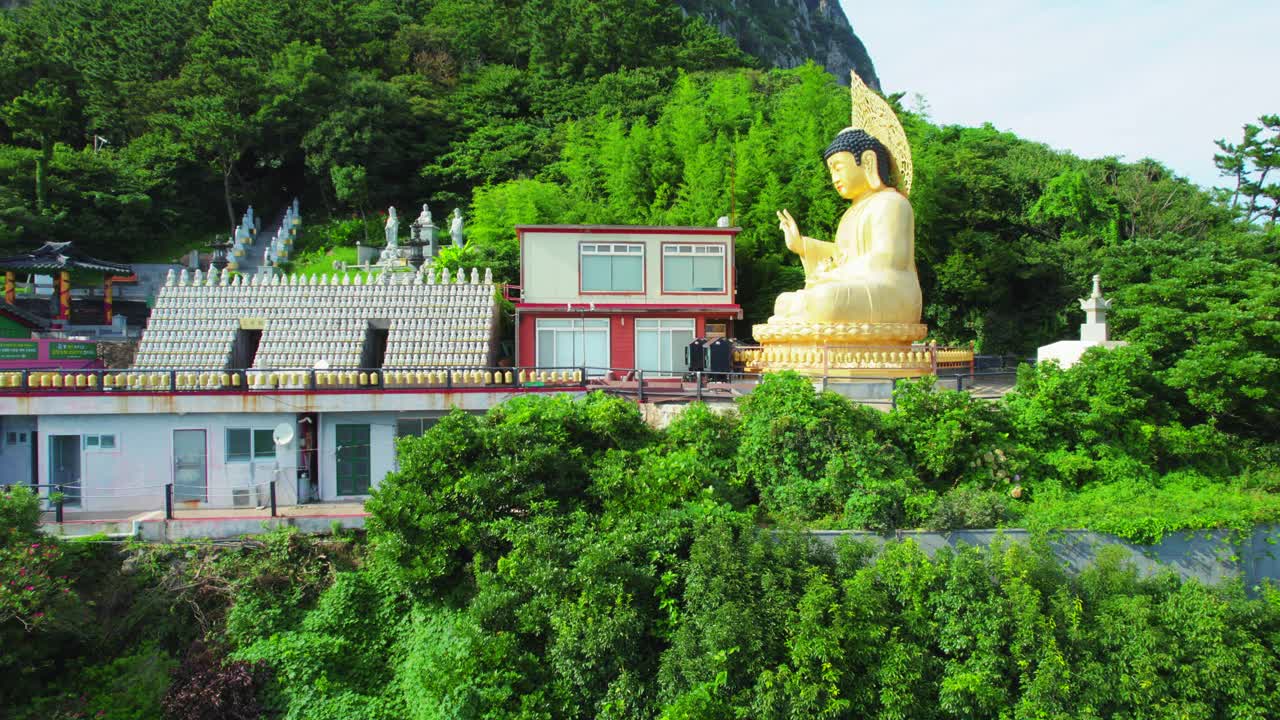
[(1119, 77)]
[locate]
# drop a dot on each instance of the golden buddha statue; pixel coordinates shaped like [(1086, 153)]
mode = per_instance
[(861, 290)]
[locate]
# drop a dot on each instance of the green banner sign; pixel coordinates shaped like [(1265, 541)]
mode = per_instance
[(19, 350), (73, 351)]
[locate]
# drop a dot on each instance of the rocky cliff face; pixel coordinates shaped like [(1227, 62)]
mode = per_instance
[(786, 33)]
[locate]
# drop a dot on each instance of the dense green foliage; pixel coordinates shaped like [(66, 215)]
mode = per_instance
[(142, 632), (351, 105), (559, 558)]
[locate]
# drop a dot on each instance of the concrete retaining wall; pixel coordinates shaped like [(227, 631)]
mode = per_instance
[(1208, 556), (161, 531), (178, 530)]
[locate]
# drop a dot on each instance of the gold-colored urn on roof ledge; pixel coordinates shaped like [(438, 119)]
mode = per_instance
[(859, 311)]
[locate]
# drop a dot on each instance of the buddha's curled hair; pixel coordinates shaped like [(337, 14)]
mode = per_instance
[(857, 141)]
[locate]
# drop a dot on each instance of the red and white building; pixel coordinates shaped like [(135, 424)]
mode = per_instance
[(622, 297)]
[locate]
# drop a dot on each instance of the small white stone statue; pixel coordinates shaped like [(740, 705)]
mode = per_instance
[(424, 217), (455, 227), (393, 228)]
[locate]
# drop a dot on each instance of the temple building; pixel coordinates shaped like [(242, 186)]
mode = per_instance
[(605, 297), (254, 385), (240, 384)]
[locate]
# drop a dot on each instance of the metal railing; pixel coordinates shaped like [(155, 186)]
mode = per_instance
[(123, 502), (656, 387), (202, 501), (640, 383), (54, 500)]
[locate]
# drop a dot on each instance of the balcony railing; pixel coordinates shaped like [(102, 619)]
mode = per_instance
[(640, 384), (299, 379)]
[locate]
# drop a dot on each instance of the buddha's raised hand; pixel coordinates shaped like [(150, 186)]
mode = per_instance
[(790, 231)]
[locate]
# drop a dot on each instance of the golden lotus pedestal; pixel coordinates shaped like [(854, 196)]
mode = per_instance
[(852, 350)]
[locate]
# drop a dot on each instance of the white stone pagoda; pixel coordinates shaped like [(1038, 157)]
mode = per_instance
[(1093, 333)]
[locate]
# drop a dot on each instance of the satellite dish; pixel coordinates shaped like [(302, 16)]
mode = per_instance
[(283, 434)]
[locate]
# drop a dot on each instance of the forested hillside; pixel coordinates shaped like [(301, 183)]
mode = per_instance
[(418, 99), (606, 112)]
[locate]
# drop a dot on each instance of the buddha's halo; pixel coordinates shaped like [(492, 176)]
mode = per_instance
[(872, 114)]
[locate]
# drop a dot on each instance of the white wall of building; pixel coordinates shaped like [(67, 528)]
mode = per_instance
[(132, 475), (17, 434), (550, 270)]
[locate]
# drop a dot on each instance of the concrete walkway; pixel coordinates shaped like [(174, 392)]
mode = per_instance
[(207, 523), (252, 260), (251, 263)]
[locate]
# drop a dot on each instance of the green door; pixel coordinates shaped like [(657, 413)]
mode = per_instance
[(353, 459)]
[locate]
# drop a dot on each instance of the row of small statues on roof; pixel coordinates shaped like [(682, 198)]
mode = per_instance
[(426, 276)]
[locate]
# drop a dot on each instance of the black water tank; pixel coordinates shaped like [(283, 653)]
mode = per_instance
[(720, 356), (695, 355)]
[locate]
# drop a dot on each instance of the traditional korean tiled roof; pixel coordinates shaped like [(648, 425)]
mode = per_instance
[(34, 322), (59, 256)]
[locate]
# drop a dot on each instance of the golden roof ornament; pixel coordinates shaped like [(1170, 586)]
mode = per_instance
[(874, 115)]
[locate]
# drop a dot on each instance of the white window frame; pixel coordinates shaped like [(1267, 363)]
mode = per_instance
[(253, 449), (611, 249), (96, 445), (422, 425), (695, 250), (577, 326), (659, 326)]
